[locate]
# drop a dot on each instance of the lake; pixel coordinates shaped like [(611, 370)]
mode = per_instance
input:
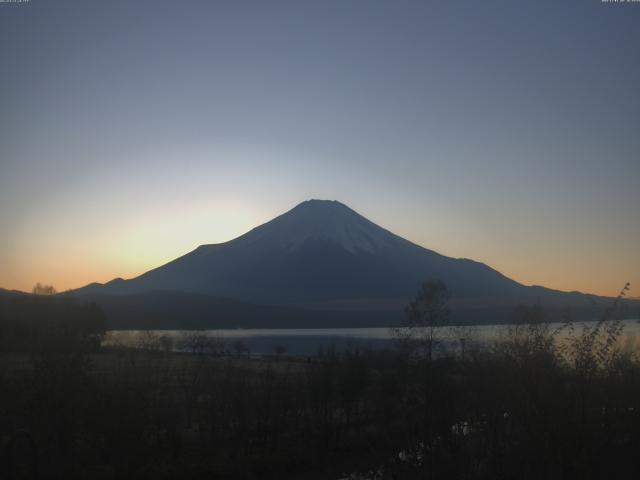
[(308, 341)]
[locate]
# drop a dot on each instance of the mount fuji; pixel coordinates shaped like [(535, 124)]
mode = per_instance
[(320, 261)]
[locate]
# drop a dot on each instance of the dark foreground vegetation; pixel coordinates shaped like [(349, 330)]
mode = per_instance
[(528, 407)]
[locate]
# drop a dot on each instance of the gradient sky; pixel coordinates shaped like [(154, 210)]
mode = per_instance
[(503, 131)]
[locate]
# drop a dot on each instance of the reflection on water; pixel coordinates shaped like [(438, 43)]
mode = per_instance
[(308, 341)]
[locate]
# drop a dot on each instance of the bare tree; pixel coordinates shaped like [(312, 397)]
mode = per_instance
[(40, 289), (199, 342), (194, 341), (465, 337), (424, 315)]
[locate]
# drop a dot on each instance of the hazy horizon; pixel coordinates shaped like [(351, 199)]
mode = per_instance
[(132, 132)]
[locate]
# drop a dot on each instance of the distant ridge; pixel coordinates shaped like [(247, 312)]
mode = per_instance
[(323, 256), (8, 293)]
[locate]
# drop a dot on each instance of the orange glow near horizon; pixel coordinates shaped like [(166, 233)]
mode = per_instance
[(433, 120), (142, 243)]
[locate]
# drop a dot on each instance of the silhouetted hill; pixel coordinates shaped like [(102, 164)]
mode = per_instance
[(184, 310), (11, 293)]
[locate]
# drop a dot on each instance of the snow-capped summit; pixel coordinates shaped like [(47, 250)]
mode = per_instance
[(321, 221)]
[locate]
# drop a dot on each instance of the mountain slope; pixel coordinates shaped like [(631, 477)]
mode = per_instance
[(318, 252), (322, 255)]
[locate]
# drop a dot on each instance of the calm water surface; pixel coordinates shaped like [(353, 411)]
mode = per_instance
[(308, 341)]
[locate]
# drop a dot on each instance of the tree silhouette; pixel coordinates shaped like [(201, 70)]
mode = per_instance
[(428, 311), (40, 289)]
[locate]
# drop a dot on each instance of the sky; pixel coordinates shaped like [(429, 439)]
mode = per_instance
[(506, 132)]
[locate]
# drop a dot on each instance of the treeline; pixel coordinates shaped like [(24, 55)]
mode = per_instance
[(526, 408), (541, 403), (43, 321)]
